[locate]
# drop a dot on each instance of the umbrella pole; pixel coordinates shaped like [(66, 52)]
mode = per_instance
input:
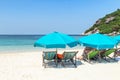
[(56, 50), (99, 56), (56, 60), (115, 51)]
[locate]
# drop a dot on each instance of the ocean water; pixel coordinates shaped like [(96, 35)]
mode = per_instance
[(20, 43)]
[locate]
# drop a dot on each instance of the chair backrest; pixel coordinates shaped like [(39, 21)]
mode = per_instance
[(49, 55), (69, 54), (108, 52), (92, 54)]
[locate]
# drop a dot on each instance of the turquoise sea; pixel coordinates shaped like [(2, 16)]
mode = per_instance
[(20, 43)]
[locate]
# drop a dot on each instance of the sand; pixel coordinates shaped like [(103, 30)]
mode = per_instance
[(28, 66)]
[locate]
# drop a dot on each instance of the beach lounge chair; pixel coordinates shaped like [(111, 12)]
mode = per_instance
[(107, 53), (117, 52), (49, 55), (91, 55), (70, 56)]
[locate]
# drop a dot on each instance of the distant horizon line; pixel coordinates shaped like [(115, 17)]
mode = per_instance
[(35, 34)]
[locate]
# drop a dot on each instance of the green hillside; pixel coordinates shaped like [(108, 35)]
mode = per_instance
[(108, 24)]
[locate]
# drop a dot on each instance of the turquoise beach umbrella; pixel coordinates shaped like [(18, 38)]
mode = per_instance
[(98, 41), (117, 38), (56, 40)]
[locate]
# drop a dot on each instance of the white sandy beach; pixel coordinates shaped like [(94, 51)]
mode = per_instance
[(28, 66)]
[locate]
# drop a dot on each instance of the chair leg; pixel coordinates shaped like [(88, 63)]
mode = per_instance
[(84, 57), (62, 63), (104, 58), (88, 59), (56, 62), (73, 62), (43, 64), (111, 58)]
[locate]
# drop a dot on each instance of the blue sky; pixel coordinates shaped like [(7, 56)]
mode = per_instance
[(46, 16)]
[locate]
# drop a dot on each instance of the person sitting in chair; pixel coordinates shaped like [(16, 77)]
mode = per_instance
[(87, 50)]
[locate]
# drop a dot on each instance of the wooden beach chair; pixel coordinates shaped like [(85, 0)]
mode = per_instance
[(106, 54), (49, 56), (90, 55), (70, 56)]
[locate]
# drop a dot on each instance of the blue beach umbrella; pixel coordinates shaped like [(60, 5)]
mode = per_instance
[(56, 40), (98, 41)]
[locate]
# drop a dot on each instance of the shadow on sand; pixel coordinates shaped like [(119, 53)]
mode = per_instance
[(67, 64)]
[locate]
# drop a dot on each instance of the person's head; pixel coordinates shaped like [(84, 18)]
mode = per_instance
[(89, 48), (102, 51)]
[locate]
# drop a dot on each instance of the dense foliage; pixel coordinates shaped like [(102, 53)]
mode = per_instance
[(108, 24)]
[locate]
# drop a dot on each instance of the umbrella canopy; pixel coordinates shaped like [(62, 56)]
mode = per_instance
[(56, 40), (117, 38), (98, 41)]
